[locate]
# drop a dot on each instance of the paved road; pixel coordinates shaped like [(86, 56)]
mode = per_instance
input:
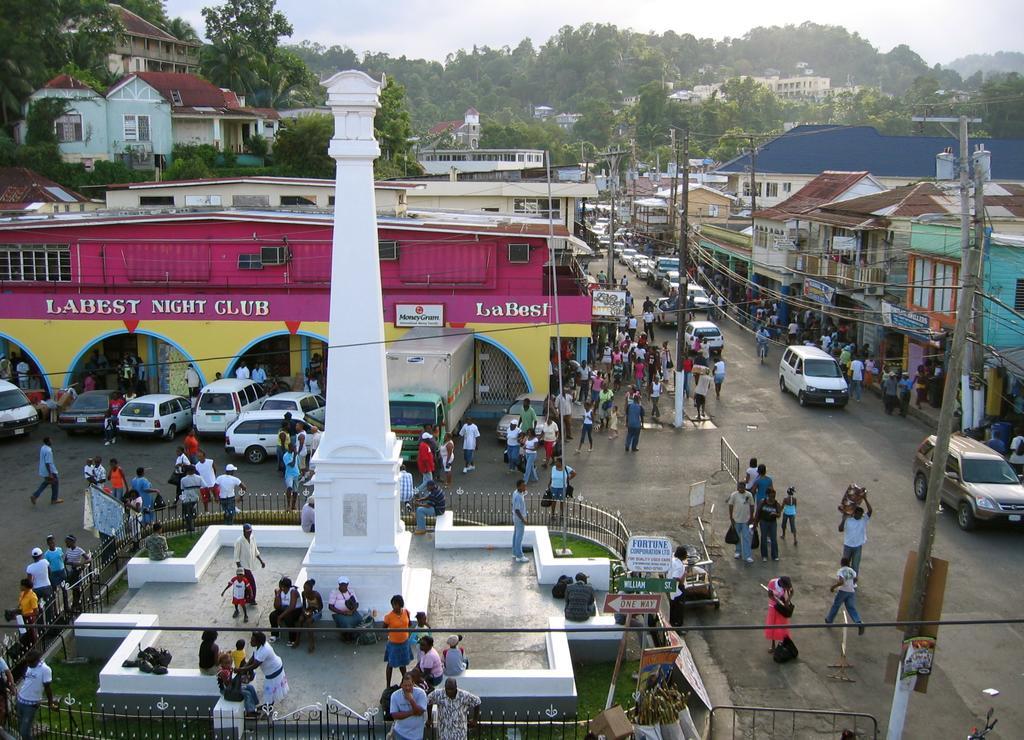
[(817, 450)]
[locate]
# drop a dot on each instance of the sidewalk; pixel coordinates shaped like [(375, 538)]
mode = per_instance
[(927, 414)]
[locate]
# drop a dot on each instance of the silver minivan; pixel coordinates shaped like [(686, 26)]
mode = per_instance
[(17, 414), (222, 401)]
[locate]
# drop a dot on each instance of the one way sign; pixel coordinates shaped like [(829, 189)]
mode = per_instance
[(632, 603)]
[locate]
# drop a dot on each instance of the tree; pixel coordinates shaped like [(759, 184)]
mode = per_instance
[(257, 22), (41, 119), (230, 63), (393, 130), (300, 149), (187, 168), (150, 10), (1003, 100), (182, 30)]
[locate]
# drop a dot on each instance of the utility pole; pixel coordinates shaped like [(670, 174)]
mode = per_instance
[(636, 177), (753, 186), (964, 165), (682, 295), (613, 157), (937, 476), (977, 312), (675, 178)]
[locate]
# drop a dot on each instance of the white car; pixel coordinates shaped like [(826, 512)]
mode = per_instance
[(627, 254), (155, 415), (513, 412), (309, 404), (253, 434), (710, 335)]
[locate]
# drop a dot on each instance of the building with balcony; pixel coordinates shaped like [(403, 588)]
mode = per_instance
[(444, 161), (800, 87), (145, 47), (214, 287)]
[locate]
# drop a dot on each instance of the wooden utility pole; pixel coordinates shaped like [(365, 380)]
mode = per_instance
[(675, 179), (977, 312), (937, 474), (753, 186), (684, 281), (613, 157)]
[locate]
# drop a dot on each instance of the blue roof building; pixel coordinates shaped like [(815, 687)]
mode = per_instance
[(790, 161)]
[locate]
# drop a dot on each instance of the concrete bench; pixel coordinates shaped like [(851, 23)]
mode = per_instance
[(594, 645), (189, 568), (228, 719), (447, 536)]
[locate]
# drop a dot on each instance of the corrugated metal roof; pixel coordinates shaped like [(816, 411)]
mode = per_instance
[(825, 188), (22, 185)]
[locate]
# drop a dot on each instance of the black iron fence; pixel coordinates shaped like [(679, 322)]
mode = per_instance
[(70, 721)]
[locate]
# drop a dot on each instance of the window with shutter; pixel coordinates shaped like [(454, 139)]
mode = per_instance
[(69, 128), (1018, 296)]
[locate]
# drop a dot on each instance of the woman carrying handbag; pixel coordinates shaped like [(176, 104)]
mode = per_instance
[(780, 609)]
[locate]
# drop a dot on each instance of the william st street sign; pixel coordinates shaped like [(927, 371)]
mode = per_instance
[(651, 585)]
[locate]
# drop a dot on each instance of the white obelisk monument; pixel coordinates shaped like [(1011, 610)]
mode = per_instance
[(359, 532)]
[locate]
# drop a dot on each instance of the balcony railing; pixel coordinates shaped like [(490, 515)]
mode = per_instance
[(847, 276)]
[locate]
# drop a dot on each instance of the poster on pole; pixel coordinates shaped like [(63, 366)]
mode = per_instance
[(697, 491), (918, 656), (648, 554)]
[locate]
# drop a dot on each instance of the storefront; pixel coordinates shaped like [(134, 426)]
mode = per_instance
[(217, 289)]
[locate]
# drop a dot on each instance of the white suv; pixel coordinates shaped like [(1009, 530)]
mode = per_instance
[(254, 434), (295, 401)]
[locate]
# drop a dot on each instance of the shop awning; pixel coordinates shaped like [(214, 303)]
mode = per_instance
[(574, 244)]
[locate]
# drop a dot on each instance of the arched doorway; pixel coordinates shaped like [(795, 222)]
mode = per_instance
[(37, 378), (285, 356), (500, 377), (159, 366)]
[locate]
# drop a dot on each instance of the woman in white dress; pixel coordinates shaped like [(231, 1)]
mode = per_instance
[(275, 682)]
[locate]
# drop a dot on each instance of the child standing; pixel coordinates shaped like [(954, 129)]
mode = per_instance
[(613, 422), (109, 429), (789, 513), (238, 654), (239, 586)]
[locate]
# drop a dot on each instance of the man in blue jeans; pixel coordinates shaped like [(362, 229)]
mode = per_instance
[(430, 505), (519, 521), (37, 682), (846, 595), (741, 514), (48, 472), (634, 423)]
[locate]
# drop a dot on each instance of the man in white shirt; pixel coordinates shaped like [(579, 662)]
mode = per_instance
[(246, 557), (259, 375), (405, 486), (649, 324), (38, 681), (512, 445), (242, 371), (855, 532), (565, 412), (677, 571), (39, 571), (192, 381), (750, 479), (206, 470), (307, 517), (470, 432), (230, 486), (22, 369), (631, 327), (856, 377), (1017, 451), (845, 589), (793, 331)]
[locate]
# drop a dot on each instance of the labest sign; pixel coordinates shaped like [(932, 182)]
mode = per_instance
[(154, 307), (419, 314)]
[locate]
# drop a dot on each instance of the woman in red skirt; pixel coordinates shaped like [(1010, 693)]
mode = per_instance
[(780, 591)]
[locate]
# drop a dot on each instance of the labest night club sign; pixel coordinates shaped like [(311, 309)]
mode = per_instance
[(164, 307)]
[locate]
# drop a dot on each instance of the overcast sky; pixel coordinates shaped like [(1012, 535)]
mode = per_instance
[(938, 30)]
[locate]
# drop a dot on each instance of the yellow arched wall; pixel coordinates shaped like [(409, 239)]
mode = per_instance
[(213, 344)]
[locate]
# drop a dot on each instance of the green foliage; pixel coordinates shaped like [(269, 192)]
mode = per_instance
[(8, 150), (206, 153), (1005, 119), (258, 146), (150, 10), (187, 168), (393, 130), (300, 148), (180, 28), (258, 23), (39, 122)]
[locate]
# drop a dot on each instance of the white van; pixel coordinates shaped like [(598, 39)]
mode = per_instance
[(813, 376), (223, 400), (17, 414)]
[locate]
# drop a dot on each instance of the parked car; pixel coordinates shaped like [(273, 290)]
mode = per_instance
[(513, 412), (221, 401), (86, 413), (155, 415), (17, 414), (813, 376), (309, 404), (253, 435), (708, 332), (626, 254), (979, 485), (643, 270)]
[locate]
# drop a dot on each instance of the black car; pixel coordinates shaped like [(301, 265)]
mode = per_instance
[(86, 413)]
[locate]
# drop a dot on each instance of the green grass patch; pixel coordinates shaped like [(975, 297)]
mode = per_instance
[(80, 680), (182, 544), (593, 680), (581, 548)]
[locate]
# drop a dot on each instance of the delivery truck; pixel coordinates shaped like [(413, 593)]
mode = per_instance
[(430, 381)]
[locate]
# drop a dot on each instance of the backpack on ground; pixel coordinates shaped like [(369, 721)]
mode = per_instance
[(785, 651), (385, 702), (558, 590), (364, 633)]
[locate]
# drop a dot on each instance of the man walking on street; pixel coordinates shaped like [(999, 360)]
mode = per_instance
[(247, 554), (634, 423), (470, 432), (48, 472), (741, 514), (425, 460), (845, 589), (655, 397), (565, 412), (855, 532), (519, 521), (890, 394), (767, 519), (856, 377)]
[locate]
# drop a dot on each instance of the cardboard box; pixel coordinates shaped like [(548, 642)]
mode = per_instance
[(612, 724)]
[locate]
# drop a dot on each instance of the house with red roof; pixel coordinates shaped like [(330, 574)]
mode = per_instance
[(143, 115)]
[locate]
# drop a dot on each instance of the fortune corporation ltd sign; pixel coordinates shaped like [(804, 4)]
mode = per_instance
[(419, 314), (649, 554)]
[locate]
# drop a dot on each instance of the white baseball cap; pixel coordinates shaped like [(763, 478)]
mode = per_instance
[(343, 579), (36, 552), (229, 468)]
